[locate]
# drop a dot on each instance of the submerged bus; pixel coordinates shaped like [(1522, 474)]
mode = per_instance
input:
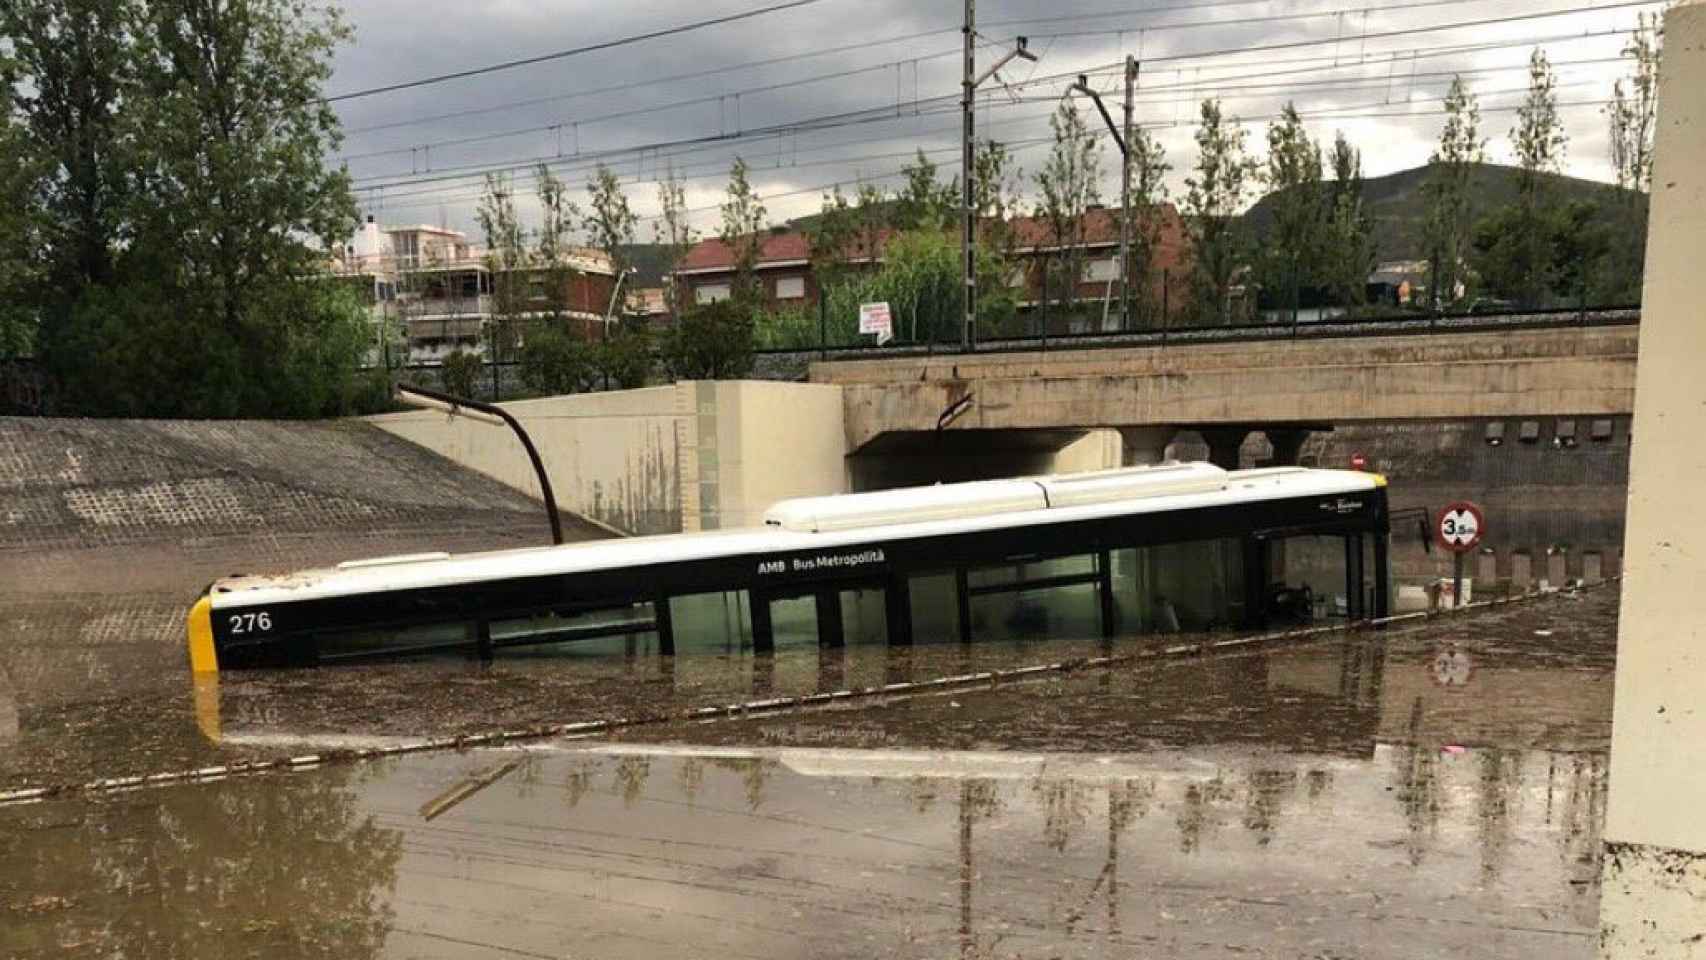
[(1161, 549)]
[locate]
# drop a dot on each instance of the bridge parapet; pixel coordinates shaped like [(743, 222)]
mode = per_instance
[(1577, 370)]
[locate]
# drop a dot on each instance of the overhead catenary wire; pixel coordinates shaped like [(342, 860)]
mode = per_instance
[(699, 74), (572, 52), (842, 74), (1408, 110), (1335, 86), (874, 114)]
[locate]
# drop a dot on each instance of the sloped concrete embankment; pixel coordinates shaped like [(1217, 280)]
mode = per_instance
[(108, 529)]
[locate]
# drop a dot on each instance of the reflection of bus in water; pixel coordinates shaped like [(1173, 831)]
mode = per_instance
[(1144, 550)]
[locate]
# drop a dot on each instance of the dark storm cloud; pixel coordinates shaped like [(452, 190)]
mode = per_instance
[(400, 41)]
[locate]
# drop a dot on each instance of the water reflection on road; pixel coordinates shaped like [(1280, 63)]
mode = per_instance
[(1340, 800), (629, 852)]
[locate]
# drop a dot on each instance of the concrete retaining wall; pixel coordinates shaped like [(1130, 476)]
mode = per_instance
[(695, 455)]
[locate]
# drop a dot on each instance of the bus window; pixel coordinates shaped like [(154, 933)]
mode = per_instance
[(454, 636), (719, 622), (935, 608), (1306, 579), (1180, 587), (627, 630), (1035, 599)]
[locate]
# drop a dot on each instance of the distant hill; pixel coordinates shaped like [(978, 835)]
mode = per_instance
[(1398, 208)]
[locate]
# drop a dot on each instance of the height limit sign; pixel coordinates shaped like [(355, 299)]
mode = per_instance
[(1461, 527)]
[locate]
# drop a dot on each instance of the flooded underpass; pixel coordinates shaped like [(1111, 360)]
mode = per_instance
[(1435, 788), (1432, 788)]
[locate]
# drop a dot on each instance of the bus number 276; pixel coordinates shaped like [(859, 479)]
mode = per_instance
[(251, 622)]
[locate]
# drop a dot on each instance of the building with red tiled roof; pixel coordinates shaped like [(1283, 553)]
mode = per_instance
[(784, 267)]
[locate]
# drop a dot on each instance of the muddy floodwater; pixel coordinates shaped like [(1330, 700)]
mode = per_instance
[(1431, 790)]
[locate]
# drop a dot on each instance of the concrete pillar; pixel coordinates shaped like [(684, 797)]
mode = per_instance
[(1144, 445), (1653, 889), (1287, 443), (1522, 572), (1593, 567), (1224, 444)]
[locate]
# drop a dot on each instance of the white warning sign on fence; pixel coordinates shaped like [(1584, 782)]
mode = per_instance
[(875, 318)]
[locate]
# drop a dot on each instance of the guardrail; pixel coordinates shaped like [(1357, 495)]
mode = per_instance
[(1340, 327)]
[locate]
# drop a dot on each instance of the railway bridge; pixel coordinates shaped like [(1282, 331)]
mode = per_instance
[(959, 406)]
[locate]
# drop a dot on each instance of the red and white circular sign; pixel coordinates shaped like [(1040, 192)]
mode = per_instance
[(1461, 526)]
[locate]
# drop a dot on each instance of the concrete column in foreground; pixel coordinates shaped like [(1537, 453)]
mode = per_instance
[(1140, 446), (1653, 894)]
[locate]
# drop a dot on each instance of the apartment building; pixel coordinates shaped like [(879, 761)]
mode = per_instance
[(784, 271), (439, 291)]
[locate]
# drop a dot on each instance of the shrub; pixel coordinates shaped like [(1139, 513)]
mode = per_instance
[(712, 342), (625, 359), (460, 370)]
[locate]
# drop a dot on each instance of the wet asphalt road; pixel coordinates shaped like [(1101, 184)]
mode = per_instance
[(1435, 790)]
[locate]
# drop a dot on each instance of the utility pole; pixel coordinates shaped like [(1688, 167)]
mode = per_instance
[(968, 224), (968, 193), (1125, 198)]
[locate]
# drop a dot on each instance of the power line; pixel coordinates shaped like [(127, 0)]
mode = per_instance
[(1388, 34), (637, 111), (576, 51), (1323, 87), (559, 126), (1407, 110), (647, 82), (880, 113)]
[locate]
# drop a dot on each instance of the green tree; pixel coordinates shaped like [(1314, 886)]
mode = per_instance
[(182, 204), (1148, 192), (744, 221), (460, 372), (554, 245), (553, 362), (624, 358), (234, 157), (1514, 248), (832, 237), (996, 179), (1450, 214), (610, 221), (18, 242), (925, 202), (72, 64), (1632, 117), (1347, 251), (674, 234), (506, 264), (713, 341), (1291, 253), (1069, 184), (1215, 195), (920, 281)]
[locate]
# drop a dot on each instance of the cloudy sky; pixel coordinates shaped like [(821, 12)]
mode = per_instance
[(872, 80)]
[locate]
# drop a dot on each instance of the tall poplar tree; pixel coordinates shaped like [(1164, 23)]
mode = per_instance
[(675, 234), (1215, 195), (1069, 184), (1348, 254), (1148, 193), (1449, 211), (744, 221), (1292, 251)]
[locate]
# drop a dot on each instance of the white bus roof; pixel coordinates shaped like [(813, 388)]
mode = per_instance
[(866, 519)]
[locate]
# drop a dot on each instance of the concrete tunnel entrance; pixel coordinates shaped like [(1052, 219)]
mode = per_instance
[(922, 457)]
